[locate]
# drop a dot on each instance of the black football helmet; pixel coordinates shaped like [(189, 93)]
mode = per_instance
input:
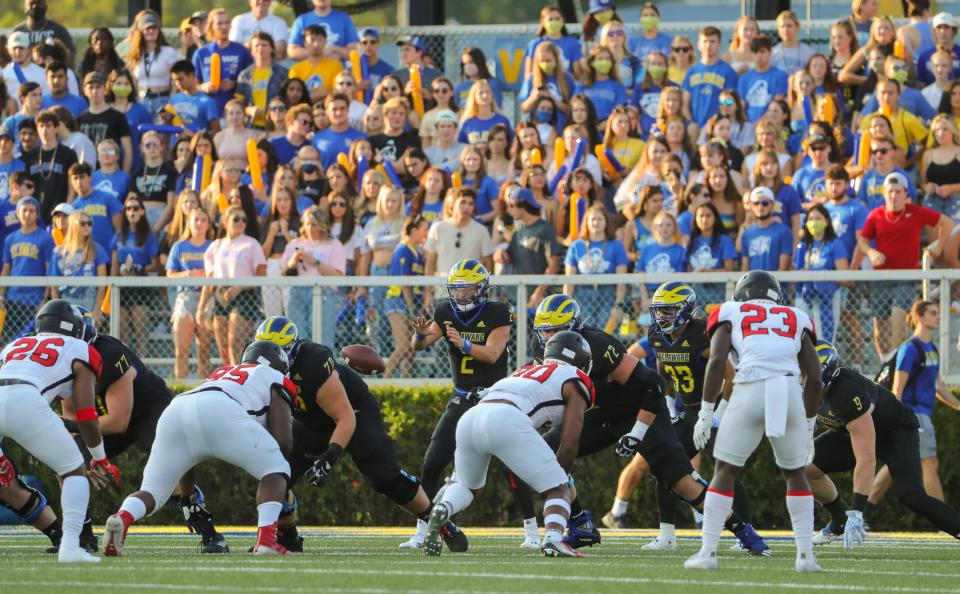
[(265, 352), (570, 348), (59, 316), (89, 326), (758, 284)]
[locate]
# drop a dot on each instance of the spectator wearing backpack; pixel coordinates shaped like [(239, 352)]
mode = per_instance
[(917, 382)]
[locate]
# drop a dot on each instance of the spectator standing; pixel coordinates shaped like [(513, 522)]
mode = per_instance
[(135, 252), (533, 247), (40, 28), (317, 71), (941, 64), (473, 67), (101, 55), (340, 135), (939, 169), (709, 249), (31, 98), (101, 121), (380, 237), (231, 141), (18, 45), (768, 243), (403, 302), (871, 183), (764, 82), (155, 182), (244, 26), (707, 78), (197, 111), (376, 68), (281, 227), (480, 114), (808, 180), (412, 52), (234, 58), (122, 95), (819, 249), (944, 35), (261, 81), (26, 252), (149, 59), (341, 32), (598, 251), (48, 165), (104, 211), (186, 260), (601, 83), (790, 55), (299, 125), (8, 165), (396, 138), (651, 39), (79, 255), (553, 30), (56, 73)]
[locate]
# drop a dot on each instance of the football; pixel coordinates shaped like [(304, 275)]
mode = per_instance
[(362, 358)]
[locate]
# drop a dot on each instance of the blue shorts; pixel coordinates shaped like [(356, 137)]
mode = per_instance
[(395, 305)]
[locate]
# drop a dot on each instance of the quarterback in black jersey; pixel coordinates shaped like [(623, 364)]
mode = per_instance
[(865, 421), (630, 412), (334, 413)]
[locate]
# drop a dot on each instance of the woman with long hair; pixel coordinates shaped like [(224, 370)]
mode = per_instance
[(527, 138), (480, 115), (100, 56), (639, 228), (679, 143), (940, 168), (380, 236), (224, 177), (534, 178), (473, 67), (281, 227), (149, 58), (645, 173), (710, 249), (614, 38), (187, 200), (819, 249), (663, 254), (403, 302), (767, 172), (553, 31), (80, 255), (276, 118), (428, 198), (365, 206), (680, 60), (294, 92), (186, 260), (123, 96), (883, 34), (738, 53), (687, 205), (546, 77), (725, 197), (649, 89), (339, 182), (843, 44), (766, 137), (498, 162), (237, 308), (155, 181), (601, 82), (473, 174), (134, 252), (598, 251), (444, 98), (231, 141)]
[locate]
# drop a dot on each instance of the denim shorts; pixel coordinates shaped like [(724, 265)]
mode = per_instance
[(928, 436)]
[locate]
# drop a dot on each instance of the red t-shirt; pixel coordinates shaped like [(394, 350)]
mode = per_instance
[(898, 236)]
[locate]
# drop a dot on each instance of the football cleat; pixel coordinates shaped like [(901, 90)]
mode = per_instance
[(701, 561), (611, 521), (267, 542), (531, 536), (826, 535), (114, 533), (660, 544), (289, 538), (753, 542), (77, 555), (432, 542), (581, 532), (88, 540), (416, 541), (551, 548), (806, 564), (454, 537), (213, 544)]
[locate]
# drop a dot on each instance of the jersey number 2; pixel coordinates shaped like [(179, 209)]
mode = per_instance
[(757, 315), (43, 351)]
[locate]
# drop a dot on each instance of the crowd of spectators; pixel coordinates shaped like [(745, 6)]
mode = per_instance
[(705, 154)]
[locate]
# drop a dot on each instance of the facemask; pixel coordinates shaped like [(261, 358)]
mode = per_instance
[(553, 27), (122, 91), (656, 70), (649, 23), (816, 227), (900, 76), (471, 69), (544, 116), (603, 66), (603, 17), (548, 68), (798, 125)]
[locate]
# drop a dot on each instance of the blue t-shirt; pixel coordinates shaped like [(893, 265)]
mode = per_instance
[(920, 393), (233, 59), (197, 111), (925, 68), (550, 85), (818, 255), (911, 100), (475, 130), (657, 259), (569, 48), (643, 234), (8, 219), (703, 253), (137, 115), (463, 89), (847, 220), (101, 208), (6, 170), (28, 254), (759, 88), (763, 247), (787, 204), (605, 94), (630, 70), (684, 223), (185, 256), (648, 102), (641, 47), (406, 261), (74, 103), (330, 144), (487, 193), (284, 150), (431, 212), (115, 183), (810, 184), (596, 257), (141, 254), (73, 265), (705, 83), (339, 26), (376, 74), (871, 187)]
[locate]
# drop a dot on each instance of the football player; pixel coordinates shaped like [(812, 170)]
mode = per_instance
[(504, 424), (30, 504), (337, 414), (863, 421), (240, 414), (475, 331), (56, 363), (630, 399), (770, 345)]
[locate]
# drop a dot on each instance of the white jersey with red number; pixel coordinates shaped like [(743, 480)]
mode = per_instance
[(537, 391), (46, 361), (765, 337), (249, 385)]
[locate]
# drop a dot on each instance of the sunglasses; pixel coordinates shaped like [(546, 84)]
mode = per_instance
[(133, 208), (233, 170), (762, 202), (339, 203), (345, 82), (439, 90), (681, 50), (880, 151), (86, 223), (615, 33), (29, 186), (818, 148), (239, 219), (106, 152), (369, 42), (151, 145), (391, 89), (727, 102), (278, 108)]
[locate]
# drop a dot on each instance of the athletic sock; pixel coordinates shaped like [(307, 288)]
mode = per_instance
[(576, 510), (716, 507), (619, 506), (425, 516), (268, 513), (135, 507), (800, 506), (733, 523), (838, 514), (74, 497), (54, 532), (458, 497), (552, 536), (666, 504), (741, 502), (667, 531)]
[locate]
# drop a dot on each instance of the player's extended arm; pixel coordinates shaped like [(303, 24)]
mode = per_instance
[(863, 439), (333, 401), (432, 334), (624, 373), (810, 366), (573, 395), (279, 421), (119, 401)]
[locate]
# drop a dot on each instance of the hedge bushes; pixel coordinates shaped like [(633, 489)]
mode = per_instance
[(410, 416)]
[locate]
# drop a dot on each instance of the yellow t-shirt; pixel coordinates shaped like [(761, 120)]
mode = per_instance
[(261, 79), (676, 75), (907, 128), (314, 75), (628, 152)]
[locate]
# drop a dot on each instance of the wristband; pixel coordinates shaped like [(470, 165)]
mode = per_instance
[(420, 337), (859, 501), (98, 452), (639, 430), (811, 423), (707, 407), (333, 453), (467, 347), (86, 414)]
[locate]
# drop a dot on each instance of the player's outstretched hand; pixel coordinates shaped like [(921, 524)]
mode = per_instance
[(421, 324), (101, 472), (701, 430), (853, 533), (628, 446), (323, 465)]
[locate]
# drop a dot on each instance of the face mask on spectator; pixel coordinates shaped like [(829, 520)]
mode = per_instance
[(548, 68), (816, 227), (603, 17), (656, 70), (900, 76), (471, 69), (649, 23), (603, 66), (544, 115), (553, 26), (122, 91)]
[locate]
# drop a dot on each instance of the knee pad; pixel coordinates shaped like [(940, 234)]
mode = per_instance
[(401, 489), (290, 505), (31, 510)]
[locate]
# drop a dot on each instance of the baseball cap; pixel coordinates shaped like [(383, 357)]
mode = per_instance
[(944, 18), (148, 20), (414, 41), (600, 6), (4, 131), (29, 200), (185, 24), (63, 208), (445, 115), (94, 78), (815, 139), (370, 32), (525, 195), (895, 179), (761, 193), (18, 39)]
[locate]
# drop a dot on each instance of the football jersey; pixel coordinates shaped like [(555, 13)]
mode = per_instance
[(46, 361), (682, 360), (149, 389), (765, 337), (310, 368), (249, 385), (607, 352), (850, 396), (466, 371), (537, 391)]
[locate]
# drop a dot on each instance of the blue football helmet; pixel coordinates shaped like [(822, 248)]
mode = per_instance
[(673, 305), (89, 326), (829, 361), (467, 285), (280, 331), (556, 312)]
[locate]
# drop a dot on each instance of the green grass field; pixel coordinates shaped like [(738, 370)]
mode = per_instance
[(367, 560)]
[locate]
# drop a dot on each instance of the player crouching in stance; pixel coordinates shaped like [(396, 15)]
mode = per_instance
[(241, 415), (504, 424), (864, 420), (35, 370), (770, 344)]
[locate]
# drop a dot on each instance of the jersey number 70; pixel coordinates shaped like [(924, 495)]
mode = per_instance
[(757, 315)]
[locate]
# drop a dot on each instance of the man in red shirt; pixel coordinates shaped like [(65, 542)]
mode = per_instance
[(896, 228)]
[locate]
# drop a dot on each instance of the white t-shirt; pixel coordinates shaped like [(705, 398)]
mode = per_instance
[(443, 238), (32, 73), (250, 386), (537, 391), (155, 72), (243, 26), (83, 146), (46, 361)]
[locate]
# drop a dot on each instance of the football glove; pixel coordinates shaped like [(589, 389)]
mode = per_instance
[(701, 430), (323, 465), (853, 533), (7, 473), (103, 468), (630, 443)]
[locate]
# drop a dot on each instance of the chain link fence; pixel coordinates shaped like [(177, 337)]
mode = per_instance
[(861, 311)]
